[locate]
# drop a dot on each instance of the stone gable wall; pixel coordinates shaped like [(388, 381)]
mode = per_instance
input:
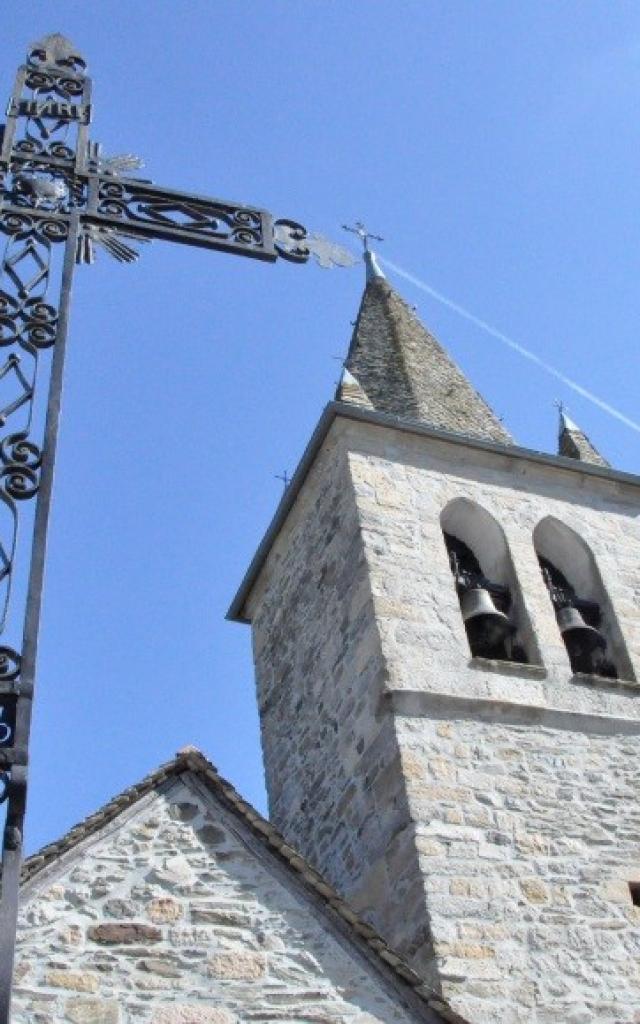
[(171, 918)]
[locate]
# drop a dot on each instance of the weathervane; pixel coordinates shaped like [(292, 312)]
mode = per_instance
[(60, 199)]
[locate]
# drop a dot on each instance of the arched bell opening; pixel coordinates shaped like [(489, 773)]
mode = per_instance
[(491, 604), (584, 614)]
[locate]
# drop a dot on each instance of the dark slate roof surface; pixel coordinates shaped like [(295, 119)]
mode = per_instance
[(401, 369)]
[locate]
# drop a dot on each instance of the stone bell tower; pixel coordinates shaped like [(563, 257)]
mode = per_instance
[(446, 631)]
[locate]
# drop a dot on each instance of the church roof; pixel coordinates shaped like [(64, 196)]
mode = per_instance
[(574, 443), (396, 366), (191, 762)]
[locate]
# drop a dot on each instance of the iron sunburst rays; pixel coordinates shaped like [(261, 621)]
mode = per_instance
[(121, 163), (108, 238), (92, 235)]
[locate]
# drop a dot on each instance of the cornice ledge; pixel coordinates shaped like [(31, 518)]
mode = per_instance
[(415, 703), (345, 410), (385, 419)]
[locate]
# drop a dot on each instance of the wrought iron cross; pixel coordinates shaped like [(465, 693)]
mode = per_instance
[(363, 234), (60, 198)]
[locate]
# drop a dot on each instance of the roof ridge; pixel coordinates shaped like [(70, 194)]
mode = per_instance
[(191, 758)]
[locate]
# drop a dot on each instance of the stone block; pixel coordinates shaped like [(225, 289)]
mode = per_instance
[(75, 981), (164, 909), (165, 967), (154, 983), (175, 871), (226, 916), (191, 1013), (92, 1011), (119, 908), (123, 934), (465, 950), (55, 892), (237, 965), (192, 936), (534, 890), (71, 935)]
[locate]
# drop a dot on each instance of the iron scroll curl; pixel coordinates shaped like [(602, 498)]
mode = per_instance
[(294, 243)]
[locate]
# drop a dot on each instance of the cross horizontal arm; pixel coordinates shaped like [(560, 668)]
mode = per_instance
[(143, 209)]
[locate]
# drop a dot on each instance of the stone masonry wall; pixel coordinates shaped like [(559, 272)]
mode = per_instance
[(358, 667), (522, 780), (170, 917), (528, 838), (331, 761)]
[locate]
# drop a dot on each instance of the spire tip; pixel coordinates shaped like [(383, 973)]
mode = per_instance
[(372, 266)]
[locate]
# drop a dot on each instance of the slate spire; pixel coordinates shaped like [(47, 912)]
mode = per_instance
[(395, 366), (574, 443)]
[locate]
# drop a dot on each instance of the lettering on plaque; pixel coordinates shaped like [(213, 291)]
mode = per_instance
[(51, 108)]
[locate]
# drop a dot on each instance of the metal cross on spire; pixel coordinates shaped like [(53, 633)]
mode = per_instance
[(363, 234), (373, 270), (60, 198)]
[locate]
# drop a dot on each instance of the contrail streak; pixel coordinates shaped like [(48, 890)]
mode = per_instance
[(531, 356)]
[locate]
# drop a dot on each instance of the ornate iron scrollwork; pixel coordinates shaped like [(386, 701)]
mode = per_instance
[(145, 210), (57, 51), (60, 199), (9, 664), (293, 242), (61, 194), (28, 325)]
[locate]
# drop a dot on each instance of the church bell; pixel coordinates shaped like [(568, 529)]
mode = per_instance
[(482, 618), (580, 638)]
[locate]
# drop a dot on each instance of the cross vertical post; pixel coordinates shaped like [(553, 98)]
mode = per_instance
[(60, 198)]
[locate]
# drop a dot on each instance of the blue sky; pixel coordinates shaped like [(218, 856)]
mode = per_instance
[(494, 146)]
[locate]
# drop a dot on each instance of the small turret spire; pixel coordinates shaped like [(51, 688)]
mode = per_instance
[(574, 443)]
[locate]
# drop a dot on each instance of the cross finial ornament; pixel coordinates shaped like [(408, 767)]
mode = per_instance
[(564, 422), (363, 234), (59, 199), (56, 50), (374, 273)]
